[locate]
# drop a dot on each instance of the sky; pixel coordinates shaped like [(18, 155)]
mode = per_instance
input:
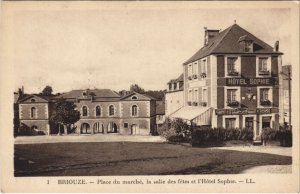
[(114, 48)]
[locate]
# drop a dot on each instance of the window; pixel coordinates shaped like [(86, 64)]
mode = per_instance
[(203, 66), (134, 110), (196, 97), (190, 70), (98, 110), (263, 64), (170, 87), (134, 98), (231, 66), (264, 94), (195, 70), (230, 123), (32, 100), (231, 95), (248, 46), (111, 110), (32, 112), (84, 111), (126, 125), (204, 95), (175, 86), (190, 95)]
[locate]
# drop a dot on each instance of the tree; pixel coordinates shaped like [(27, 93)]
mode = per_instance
[(136, 88), (65, 114), (47, 91)]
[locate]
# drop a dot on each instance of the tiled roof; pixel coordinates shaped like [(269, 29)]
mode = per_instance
[(228, 42), (141, 96), (179, 79), (97, 93), (160, 107)]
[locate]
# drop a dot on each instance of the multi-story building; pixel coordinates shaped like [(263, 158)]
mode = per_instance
[(286, 75), (101, 111), (174, 95), (233, 82)]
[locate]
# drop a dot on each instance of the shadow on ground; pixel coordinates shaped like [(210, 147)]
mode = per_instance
[(129, 158)]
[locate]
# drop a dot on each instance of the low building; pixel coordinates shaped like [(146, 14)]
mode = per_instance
[(160, 113), (101, 111), (174, 95)]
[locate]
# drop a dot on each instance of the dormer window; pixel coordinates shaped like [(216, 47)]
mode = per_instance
[(247, 43), (32, 100), (134, 98), (248, 46)]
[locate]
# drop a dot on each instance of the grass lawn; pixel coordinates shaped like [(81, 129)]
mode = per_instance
[(130, 158)]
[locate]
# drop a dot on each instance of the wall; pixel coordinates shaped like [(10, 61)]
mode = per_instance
[(173, 101)]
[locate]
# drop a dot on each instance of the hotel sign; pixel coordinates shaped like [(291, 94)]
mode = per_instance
[(250, 81), (239, 111)]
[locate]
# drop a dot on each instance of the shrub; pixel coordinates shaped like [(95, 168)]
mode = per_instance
[(175, 130), (24, 130), (217, 136), (285, 137)]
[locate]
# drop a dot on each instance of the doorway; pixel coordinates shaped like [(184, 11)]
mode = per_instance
[(85, 128), (134, 129)]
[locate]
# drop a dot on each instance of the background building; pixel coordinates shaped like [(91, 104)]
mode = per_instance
[(174, 95), (286, 70), (101, 111)]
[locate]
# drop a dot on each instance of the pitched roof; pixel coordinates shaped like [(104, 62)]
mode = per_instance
[(140, 96), (179, 79), (160, 107), (97, 93), (228, 42)]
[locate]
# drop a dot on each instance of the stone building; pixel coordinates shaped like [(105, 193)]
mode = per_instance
[(101, 111), (233, 82)]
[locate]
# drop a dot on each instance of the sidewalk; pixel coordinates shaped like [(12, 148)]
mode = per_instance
[(87, 138)]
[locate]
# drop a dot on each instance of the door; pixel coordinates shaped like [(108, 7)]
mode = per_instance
[(249, 125), (133, 130), (85, 128)]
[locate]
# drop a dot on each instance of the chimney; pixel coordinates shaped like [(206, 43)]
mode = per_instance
[(276, 46), (209, 35)]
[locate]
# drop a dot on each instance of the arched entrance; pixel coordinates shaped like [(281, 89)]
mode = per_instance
[(134, 129), (85, 128), (112, 128), (98, 128)]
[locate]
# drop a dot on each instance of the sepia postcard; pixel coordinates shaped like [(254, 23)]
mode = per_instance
[(149, 96)]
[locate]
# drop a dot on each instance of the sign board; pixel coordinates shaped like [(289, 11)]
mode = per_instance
[(250, 81), (239, 111)]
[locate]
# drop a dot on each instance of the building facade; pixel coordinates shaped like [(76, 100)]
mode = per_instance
[(233, 82), (101, 111), (174, 95)]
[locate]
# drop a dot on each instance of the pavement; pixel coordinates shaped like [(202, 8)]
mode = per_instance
[(87, 138)]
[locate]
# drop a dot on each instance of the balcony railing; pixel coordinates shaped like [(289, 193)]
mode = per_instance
[(265, 102), (232, 103), (203, 103), (195, 103), (233, 73), (195, 76), (189, 103), (265, 72)]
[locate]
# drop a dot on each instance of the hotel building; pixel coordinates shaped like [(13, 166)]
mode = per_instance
[(233, 82)]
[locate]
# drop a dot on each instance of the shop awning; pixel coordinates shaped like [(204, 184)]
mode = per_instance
[(191, 113)]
